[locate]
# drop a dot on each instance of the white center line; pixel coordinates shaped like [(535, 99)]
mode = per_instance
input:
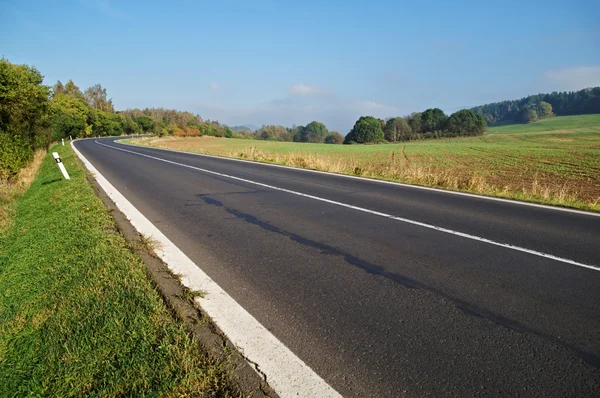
[(374, 212)]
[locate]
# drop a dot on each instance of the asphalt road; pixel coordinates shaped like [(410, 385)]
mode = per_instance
[(378, 306)]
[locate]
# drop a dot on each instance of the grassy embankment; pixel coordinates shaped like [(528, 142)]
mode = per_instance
[(78, 315), (553, 161)]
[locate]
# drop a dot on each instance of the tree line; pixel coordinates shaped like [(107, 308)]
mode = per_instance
[(32, 115), (538, 106), (432, 123)]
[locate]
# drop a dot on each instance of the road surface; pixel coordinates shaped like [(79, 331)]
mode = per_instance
[(384, 290)]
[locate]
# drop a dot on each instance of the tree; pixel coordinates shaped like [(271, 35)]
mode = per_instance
[(74, 91), (24, 103), (433, 120), (563, 103), (69, 116), (397, 129), (544, 110), (96, 98), (366, 129), (58, 88), (145, 122), (528, 115), (466, 122), (24, 122), (414, 121), (130, 126), (334, 138), (105, 123), (313, 132)]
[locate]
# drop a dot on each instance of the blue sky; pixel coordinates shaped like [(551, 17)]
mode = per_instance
[(291, 62)]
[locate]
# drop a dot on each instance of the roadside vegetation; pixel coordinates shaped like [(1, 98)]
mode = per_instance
[(78, 315), (552, 161)]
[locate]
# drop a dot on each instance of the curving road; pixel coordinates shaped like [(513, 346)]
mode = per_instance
[(384, 290)]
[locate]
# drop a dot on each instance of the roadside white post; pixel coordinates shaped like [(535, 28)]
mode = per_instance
[(61, 166), (70, 138), (63, 141)]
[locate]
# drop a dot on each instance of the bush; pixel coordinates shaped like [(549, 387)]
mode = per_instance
[(334, 138), (15, 153), (366, 129)]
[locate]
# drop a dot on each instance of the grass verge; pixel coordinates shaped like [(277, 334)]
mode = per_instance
[(554, 161), (78, 315)]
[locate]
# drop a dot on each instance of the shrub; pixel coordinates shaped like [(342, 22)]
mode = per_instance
[(334, 138), (15, 153)]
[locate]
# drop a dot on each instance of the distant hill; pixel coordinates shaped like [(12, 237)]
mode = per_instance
[(246, 127), (574, 124), (581, 102)]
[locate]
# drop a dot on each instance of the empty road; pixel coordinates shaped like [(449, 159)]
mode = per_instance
[(384, 290)]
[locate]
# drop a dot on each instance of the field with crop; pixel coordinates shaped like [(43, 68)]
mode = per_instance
[(553, 161)]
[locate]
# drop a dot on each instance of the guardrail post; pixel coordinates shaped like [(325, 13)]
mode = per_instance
[(61, 166)]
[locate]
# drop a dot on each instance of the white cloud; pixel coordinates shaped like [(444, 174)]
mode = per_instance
[(372, 106), (573, 78), (305, 90), (214, 86)]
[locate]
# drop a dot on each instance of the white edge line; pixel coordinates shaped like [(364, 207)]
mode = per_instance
[(374, 212), (287, 374), (470, 195)]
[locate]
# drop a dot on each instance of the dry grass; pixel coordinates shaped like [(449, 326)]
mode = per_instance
[(550, 164), (9, 191)]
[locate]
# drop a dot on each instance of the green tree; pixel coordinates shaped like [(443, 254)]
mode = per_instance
[(69, 116), (544, 110), (145, 122), (74, 91), (433, 119), (414, 121), (528, 115), (105, 123), (24, 103), (313, 132), (397, 129), (58, 88), (24, 121), (466, 122), (366, 129), (130, 126), (334, 138)]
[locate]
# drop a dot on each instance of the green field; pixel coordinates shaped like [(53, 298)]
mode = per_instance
[(78, 315), (554, 161)]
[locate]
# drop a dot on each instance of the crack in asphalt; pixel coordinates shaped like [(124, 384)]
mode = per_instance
[(407, 282)]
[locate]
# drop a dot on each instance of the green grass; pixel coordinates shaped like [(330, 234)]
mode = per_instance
[(78, 315), (553, 161), (548, 125)]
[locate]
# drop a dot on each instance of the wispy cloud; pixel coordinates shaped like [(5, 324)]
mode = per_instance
[(372, 106), (306, 90), (573, 78), (214, 86), (337, 113)]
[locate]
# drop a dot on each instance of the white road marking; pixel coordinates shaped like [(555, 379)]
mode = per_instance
[(374, 180), (287, 374), (374, 212)]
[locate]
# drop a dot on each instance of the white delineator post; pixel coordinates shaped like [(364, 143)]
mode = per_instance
[(63, 142), (61, 166)]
